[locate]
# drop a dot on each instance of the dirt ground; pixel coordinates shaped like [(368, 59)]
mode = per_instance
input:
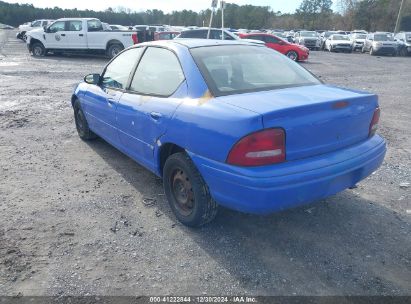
[(81, 218)]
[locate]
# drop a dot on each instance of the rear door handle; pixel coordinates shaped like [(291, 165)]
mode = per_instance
[(155, 115)]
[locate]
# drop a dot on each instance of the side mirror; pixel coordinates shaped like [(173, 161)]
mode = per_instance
[(92, 79), (45, 28)]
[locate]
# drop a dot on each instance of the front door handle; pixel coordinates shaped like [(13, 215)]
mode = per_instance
[(64, 35), (155, 115), (81, 35)]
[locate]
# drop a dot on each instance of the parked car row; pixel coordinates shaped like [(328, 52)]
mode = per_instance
[(296, 44)]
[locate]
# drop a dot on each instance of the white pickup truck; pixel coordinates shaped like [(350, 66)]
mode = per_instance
[(79, 35), (27, 27)]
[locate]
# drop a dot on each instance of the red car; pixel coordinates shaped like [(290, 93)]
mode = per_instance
[(293, 51), (165, 35)]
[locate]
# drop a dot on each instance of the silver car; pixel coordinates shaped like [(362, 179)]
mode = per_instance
[(357, 41), (404, 43), (309, 39), (380, 43)]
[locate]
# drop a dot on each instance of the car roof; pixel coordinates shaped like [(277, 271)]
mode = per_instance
[(197, 42)]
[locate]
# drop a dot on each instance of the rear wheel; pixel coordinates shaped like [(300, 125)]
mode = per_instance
[(82, 127), (38, 49), (187, 192), (114, 49), (292, 55)]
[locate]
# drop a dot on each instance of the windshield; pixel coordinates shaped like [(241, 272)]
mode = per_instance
[(340, 37), (234, 69), (308, 34), (328, 34), (383, 37), (360, 36)]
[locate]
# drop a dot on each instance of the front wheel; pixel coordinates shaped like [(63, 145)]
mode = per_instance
[(38, 49), (82, 127), (187, 192), (292, 55)]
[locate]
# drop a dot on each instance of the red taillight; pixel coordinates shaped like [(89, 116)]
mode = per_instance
[(260, 148), (134, 37), (374, 122)]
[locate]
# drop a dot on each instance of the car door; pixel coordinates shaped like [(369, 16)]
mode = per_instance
[(145, 110), (100, 101), (55, 35), (95, 41), (75, 38), (275, 44)]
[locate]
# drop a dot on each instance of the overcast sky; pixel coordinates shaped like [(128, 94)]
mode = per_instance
[(285, 6)]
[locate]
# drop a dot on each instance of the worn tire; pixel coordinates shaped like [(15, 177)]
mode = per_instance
[(114, 49), (292, 55), (38, 49), (203, 208), (82, 127)]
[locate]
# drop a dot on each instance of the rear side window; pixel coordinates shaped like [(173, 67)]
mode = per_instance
[(75, 26), (118, 71), (158, 73), (36, 24), (255, 37), (94, 25)]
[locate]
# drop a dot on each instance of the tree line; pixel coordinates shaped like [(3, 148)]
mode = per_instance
[(371, 15)]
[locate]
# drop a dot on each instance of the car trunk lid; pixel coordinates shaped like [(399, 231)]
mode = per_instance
[(317, 119)]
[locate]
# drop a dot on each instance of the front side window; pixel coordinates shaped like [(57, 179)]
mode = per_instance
[(235, 69), (118, 71), (158, 73), (94, 25), (75, 26), (270, 39), (57, 26)]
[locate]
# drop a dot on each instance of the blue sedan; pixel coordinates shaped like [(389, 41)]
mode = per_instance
[(232, 124)]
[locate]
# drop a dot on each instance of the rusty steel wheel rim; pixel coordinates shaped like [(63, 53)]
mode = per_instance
[(182, 192)]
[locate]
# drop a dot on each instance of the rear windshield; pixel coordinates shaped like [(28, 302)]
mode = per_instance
[(235, 69)]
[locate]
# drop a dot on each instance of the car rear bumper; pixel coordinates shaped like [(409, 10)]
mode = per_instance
[(267, 189)]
